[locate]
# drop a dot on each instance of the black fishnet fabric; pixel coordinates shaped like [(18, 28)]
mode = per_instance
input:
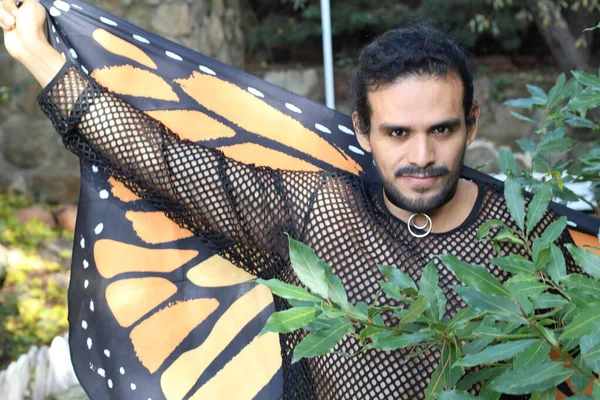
[(242, 211)]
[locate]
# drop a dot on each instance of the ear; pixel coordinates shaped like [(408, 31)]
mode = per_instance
[(362, 138), (472, 130)]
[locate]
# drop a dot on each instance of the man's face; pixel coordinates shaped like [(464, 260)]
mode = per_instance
[(418, 138)]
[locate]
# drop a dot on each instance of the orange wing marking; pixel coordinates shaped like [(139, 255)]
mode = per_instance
[(158, 336), (113, 258), (256, 116), (156, 227), (129, 80), (179, 378), (252, 153), (119, 191), (120, 47), (130, 299), (582, 239), (192, 125), (248, 380), (217, 272)]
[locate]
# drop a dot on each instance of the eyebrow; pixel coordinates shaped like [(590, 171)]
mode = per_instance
[(451, 123)]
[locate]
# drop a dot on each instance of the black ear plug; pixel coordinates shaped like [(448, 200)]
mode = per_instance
[(19, 3)]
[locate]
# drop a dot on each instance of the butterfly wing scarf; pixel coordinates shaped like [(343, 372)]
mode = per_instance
[(154, 313)]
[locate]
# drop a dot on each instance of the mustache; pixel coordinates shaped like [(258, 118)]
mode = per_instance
[(425, 172)]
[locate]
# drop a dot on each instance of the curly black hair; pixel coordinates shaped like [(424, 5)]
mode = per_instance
[(412, 51)]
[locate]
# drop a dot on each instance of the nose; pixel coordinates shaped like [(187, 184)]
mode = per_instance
[(422, 151)]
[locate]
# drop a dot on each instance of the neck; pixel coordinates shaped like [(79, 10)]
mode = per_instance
[(451, 214)]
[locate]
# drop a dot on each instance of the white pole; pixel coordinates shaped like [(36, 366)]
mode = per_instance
[(327, 54)]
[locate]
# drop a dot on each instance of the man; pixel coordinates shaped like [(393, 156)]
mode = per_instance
[(413, 96)]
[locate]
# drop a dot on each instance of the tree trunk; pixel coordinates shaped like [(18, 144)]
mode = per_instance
[(558, 37)]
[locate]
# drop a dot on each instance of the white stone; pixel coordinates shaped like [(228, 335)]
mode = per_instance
[(41, 388), (61, 374)]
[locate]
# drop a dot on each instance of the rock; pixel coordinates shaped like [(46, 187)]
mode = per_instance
[(172, 20), (15, 380), (36, 213), (66, 217), (40, 386), (61, 375), (26, 142), (305, 82), (74, 393), (480, 152)]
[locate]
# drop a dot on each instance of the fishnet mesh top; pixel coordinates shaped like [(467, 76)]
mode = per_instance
[(242, 211)]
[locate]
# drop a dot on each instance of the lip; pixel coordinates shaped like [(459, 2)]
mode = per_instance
[(420, 180)]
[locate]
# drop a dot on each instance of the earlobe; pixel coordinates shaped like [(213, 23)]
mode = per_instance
[(362, 138), (472, 128)]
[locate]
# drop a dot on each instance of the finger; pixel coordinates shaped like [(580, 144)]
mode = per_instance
[(7, 20), (10, 6)]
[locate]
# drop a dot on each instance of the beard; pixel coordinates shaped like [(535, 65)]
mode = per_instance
[(428, 204)]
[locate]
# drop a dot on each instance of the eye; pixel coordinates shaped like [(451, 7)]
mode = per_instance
[(442, 130), (398, 133)]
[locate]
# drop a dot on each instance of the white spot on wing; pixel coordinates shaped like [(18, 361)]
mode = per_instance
[(173, 56), (57, 39), (54, 11), (86, 264), (101, 372), (322, 128), (92, 305), (73, 53), (87, 73), (53, 29), (104, 194), (76, 6), (256, 92), (141, 39), (571, 223), (133, 387), (293, 108), (345, 130), (89, 343), (122, 371), (86, 284), (110, 384), (82, 242), (84, 324), (108, 21), (356, 150), (107, 353), (99, 228), (62, 6), (207, 70), (94, 168)]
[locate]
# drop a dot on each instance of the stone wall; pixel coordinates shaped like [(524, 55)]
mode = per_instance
[(32, 158)]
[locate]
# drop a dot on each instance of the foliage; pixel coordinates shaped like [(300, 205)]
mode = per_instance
[(509, 329), (33, 306), (566, 105)]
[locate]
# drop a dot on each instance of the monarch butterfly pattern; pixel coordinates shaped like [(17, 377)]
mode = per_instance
[(154, 313)]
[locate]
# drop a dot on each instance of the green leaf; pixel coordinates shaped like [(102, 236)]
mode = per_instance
[(525, 288), (288, 291), (592, 28), (393, 291), (587, 79), (370, 331), (515, 264), (487, 226), (446, 374), (523, 118), (309, 268), (506, 308), (456, 395), (290, 320), (538, 205), (587, 260), (577, 281), (462, 317), (526, 145), (556, 93), (508, 236), (360, 311), (335, 290), (584, 323), (541, 258), (416, 310), (401, 341), (507, 163), (398, 278), (550, 235), (513, 194), (484, 331), (536, 91), (432, 292), (323, 322), (590, 348), (579, 380), (556, 145), (548, 300), (477, 376), (549, 394), (585, 101), (556, 267), (531, 379), (539, 353), (520, 103), (496, 353), (320, 342), (475, 276)]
